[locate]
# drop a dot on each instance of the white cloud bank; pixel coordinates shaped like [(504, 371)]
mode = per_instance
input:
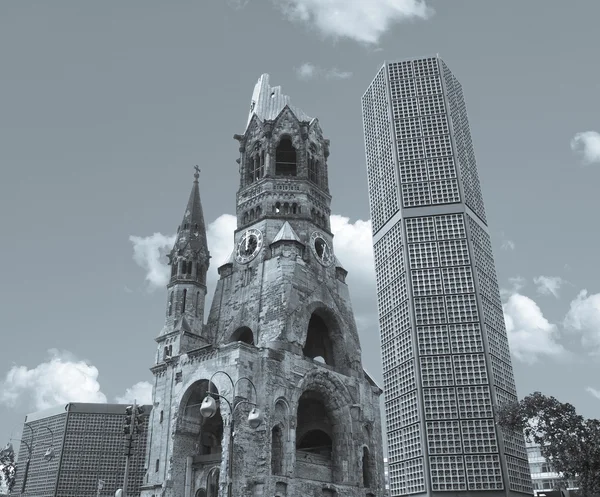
[(61, 379), (530, 334), (587, 143), (308, 71), (150, 253), (548, 285), (584, 317), (364, 21)]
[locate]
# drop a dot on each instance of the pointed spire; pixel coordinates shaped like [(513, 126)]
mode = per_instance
[(192, 231), (268, 101)]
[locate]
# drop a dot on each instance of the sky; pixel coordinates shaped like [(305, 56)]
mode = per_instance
[(107, 106)]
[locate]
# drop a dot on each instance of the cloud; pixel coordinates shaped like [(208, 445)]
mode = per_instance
[(587, 143), (308, 71), (548, 285), (60, 380), (506, 243), (150, 253), (141, 392), (530, 334), (594, 392), (584, 317), (516, 284), (359, 20)]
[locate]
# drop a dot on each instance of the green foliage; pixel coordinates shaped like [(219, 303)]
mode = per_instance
[(570, 443), (8, 468)]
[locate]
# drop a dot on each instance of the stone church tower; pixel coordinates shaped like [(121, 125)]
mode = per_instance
[(281, 320)]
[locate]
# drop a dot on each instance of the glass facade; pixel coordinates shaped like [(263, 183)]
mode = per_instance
[(446, 360)]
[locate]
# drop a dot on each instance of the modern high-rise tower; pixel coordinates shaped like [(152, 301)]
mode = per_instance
[(446, 359)]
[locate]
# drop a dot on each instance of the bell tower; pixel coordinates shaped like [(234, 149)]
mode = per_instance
[(280, 333)]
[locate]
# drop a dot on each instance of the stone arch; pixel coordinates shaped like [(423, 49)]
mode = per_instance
[(202, 436), (242, 334), (323, 420), (342, 336)]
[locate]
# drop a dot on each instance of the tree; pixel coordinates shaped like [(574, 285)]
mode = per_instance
[(570, 443), (8, 468)]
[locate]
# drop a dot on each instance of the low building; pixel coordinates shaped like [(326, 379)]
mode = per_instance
[(72, 450), (543, 477)]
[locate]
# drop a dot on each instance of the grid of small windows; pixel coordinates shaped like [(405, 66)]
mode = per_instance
[(440, 403), (389, 269), (430, 310), (435, 125), (397, 350), (450, 226), (400, 380), (405, 108), (441, 168), (454, 253), (405, 443), (383, 196), (415, 194), (444, 437), (392, 414), (423, 255), (394, 323), (407, 477), (402, 89), (433, 340), (447, 473), (470, 369), (474, 402), (426, 282), (461, 308), (519, 475), (484, 472), (513, 445), (464, 146), (431, 104), (402, 411), (410, 149), (391, 295), (436, 371), (444, 192), (479, 436), (428, 86), (458, 280), (420, 229), (41, 478), (503, 375), (437, 146), (388, 245), (465, 338), (408, 128), (413, 171)]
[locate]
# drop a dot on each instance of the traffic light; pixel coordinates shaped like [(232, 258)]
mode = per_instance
[(127, 428), (138, 420), (128, 447)]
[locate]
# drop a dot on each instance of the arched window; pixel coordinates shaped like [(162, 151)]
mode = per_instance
[(252, 215), (277, 208), (200, 493), (294, 208), (212, 483), (243, 334), (313, 170), (286, 208), (183, 301), (285, 158), (258, 211), (183, 267), (189, 268), (276, 451), (245, 221), (318, 341), (365, 468), (314, 429), (198, 266), (197, 302), (262, 163), (170, 306), (173, 269)]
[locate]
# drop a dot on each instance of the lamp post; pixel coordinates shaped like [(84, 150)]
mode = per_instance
[(209, 408), (48, 455)]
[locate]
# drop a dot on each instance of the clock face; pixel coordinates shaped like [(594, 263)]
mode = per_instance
[(321, 248), (249, 246)]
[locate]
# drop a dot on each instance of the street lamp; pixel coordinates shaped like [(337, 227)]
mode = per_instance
[(48, 455), (209, 407)]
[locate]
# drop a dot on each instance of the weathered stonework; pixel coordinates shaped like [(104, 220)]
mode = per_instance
[(281, 316)]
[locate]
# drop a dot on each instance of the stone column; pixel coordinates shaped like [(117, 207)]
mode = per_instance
[(188, 476)]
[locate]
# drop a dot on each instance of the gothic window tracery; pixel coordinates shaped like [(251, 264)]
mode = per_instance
[(256, 164)]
